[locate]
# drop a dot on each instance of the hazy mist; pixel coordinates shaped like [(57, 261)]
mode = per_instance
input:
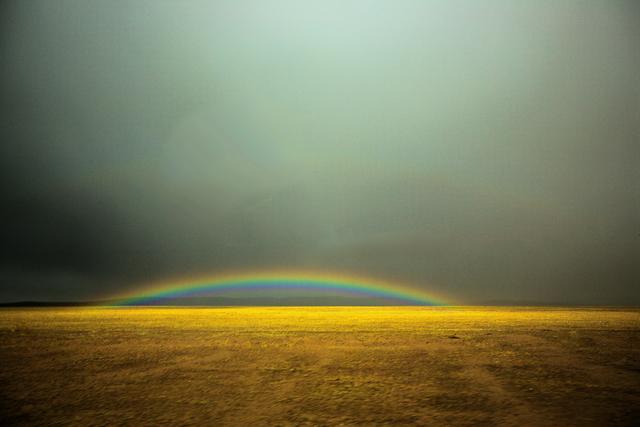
[(484, 150)]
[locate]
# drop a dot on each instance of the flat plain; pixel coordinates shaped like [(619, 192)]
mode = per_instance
[(320, 366)]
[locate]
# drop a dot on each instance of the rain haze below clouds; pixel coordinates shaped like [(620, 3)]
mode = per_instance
[(487, 151)]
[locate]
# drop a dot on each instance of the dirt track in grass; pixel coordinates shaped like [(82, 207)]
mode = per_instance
[(320, 366)]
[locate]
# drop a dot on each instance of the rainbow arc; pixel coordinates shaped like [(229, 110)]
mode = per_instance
[(280, 280)]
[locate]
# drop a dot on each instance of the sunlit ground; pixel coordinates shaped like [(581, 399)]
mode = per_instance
[(320, 366)]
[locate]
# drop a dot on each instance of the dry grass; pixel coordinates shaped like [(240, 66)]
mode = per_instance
[(320, 366)]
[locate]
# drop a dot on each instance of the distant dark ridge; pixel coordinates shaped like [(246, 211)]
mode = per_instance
[(524, 303), (530, 303), (291, 301), (226, 302), (49, 304)]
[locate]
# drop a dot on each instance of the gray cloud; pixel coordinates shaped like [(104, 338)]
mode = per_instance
[(487, 151)]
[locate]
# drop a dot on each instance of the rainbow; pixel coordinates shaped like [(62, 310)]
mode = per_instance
[(279, 280)]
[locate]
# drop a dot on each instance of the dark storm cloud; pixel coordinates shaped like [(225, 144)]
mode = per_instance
[(485, 151)]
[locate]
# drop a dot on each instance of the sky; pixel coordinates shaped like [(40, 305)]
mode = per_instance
[(488, 151)]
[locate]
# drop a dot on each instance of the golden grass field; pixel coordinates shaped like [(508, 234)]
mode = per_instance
[(320, 366)]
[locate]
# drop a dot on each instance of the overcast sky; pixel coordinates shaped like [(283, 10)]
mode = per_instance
[(483, 150)]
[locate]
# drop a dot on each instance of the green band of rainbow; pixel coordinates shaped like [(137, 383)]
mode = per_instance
[(277, 280)]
